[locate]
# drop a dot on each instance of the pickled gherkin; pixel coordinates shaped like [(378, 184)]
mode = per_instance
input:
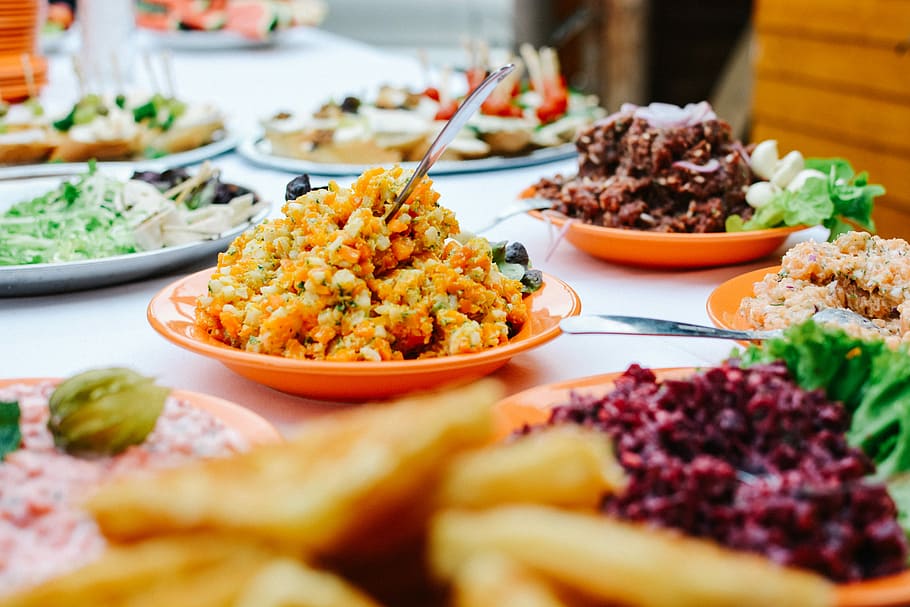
[(104, 411)]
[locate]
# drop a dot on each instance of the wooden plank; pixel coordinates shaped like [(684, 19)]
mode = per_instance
[(857, 69), (625, 67), (888, 169), (891, 223), (864, 121), (882, 22)]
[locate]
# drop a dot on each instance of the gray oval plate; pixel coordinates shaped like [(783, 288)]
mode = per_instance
[(53, 169), (52, 278), (256, 150)]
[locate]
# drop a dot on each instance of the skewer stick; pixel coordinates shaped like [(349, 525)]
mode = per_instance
[(29, 76), (532, 61), (424, 60), (168, 63), (153, 80), (80, 76), (118, 75)]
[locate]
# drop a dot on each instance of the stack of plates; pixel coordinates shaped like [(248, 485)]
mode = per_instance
[(19, 25)]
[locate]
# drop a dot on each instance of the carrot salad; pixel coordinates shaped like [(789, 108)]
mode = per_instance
[(331, 280)]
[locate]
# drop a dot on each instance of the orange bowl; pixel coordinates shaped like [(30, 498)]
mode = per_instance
[(172, 313), (671, 249), (252, 427), (723, 302), (532, 407)]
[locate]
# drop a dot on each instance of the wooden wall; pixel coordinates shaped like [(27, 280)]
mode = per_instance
[(833, 79)]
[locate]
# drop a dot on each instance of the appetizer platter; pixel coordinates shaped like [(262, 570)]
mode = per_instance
[(61, 438), (695, 197), (222, 24), (331, 300), (98, 228), (139, 129), (517, 125)]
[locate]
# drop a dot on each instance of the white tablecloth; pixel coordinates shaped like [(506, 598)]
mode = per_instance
[(63, 334)]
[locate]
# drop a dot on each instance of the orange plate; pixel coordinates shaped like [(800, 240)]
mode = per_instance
[(244, 422), (172, 312), (672, 250), (723, 303), (533, 407)]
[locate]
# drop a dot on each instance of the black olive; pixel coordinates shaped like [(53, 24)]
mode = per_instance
[(517, 253), (297, 187), (532, 280), (350, 105)]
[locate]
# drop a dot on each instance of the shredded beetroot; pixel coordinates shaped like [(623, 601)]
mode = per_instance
[(749, 459)]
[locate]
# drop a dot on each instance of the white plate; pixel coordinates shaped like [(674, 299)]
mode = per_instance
[(257, 151), (190, 40), (194, 156), (52, 278)]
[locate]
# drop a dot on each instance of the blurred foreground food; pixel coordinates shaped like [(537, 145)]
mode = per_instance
[(405, 504)]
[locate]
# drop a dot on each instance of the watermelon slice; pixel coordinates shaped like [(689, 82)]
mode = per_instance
[(254, 19)]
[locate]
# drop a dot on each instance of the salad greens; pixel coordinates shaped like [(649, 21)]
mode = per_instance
[(844, 198), (79, 219), (870, 379), (10, 433)]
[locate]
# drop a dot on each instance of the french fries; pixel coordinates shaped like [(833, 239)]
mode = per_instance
[(180, 571), (288, 583), (620, 562), (492, 579), (342, 478), (405, 504), (564, 466)]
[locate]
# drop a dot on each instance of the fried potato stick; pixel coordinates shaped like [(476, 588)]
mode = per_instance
[(491, 580), (194, 570), (343, 477), (564, 466), (288, 583), (621, 562)]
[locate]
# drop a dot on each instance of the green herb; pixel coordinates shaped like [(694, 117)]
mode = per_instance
[(839, 202), (10, 433)]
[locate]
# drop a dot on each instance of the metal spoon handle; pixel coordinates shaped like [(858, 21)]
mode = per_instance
[(634, 325), (464, 112)]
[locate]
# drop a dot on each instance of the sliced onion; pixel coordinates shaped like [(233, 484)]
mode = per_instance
[(667, 115), (708, 167), (738, 146)]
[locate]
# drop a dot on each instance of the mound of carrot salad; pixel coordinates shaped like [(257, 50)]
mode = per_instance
[(332, 280)]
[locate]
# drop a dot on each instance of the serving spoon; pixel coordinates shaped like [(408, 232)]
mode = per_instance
[(461, 116), (635, 325)]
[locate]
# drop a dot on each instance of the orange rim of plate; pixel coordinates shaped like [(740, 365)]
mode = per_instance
[(723, 302), (251, 426), (532, 407), (172, 313), (671, 249)]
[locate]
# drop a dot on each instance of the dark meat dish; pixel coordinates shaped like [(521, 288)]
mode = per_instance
[(747, 458), (659, 168)]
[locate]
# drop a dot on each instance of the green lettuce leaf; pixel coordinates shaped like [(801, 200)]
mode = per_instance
[(840, 203)]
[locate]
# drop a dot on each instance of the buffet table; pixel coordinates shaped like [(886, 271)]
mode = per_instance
[(63, 334)]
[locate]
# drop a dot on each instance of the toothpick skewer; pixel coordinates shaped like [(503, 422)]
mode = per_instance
[(532, 62), (80, 76), (29, 76), (153, 80), (167, 63), (117, 74)]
